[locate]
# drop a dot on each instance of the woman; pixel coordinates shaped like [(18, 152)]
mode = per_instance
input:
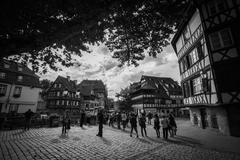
[(133, 121), (142, 123), (172, 125), (157, 125)]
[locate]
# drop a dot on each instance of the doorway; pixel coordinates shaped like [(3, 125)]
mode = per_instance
[(203, 115)]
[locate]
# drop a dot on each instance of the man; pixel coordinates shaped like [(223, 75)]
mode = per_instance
[(100, 123), (119, 120), (149, 117), (124, 120), (82, 118), (28, 116), (133, 121)]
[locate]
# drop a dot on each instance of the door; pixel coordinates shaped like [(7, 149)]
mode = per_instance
[(203, 115)]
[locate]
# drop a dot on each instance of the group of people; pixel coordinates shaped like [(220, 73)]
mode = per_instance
[(166, 122)]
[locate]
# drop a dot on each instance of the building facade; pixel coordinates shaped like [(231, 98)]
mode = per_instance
[(156, 94), (19, 88), (63, 96), (94, 94), (207, 46)]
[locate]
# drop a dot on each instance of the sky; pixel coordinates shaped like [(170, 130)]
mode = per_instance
[(99, 65)]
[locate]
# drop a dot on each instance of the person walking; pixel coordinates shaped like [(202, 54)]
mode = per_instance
[(124, 120), (133, 122), (149, 117), (68, 124), (142, 123), (82, 118), (100, 123), (172, 125), (119, 120), (28, 116), (64, 124), (157, 125), (164, 123)]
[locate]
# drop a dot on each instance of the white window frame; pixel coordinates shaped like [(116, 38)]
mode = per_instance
[(2, 75), (17, 90), (13, 108), (19, 78), (197, 85), (222, 45), (3, 89), (6, 65)]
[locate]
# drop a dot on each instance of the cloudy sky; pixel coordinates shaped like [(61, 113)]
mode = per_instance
[(101, 66)]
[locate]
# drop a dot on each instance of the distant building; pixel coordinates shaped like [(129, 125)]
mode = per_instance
[(63, 96), (19, 88), (94, 94), (207, 46), (156, 94)]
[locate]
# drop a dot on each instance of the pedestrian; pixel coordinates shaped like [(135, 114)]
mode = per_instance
[(28, 116), (82, 118), (68, 124), (124, 120), (149, 117), (142, 123), (164, 123), (100, 123), (133, 122), (172, 125), (64, 124), (119, 120), (157, 125)]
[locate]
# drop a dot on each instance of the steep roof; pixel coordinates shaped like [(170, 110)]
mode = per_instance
[(68, 84), (29, 77), (87, 86), (165, 83)]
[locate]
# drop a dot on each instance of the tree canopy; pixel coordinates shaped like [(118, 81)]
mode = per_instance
[(36, 30)]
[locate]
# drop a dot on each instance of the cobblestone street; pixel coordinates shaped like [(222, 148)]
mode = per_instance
[(48, 143)]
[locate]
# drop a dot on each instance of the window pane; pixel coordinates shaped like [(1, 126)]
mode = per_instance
[(215, 41), (226, 37), (3, 89)]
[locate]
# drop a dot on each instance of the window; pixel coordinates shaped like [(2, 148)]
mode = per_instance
[(59, 85), (221, 39), (13, 107), (19, 78), (62, 102), (216, 6), (186, 34), (52, 102), (55, 85), (57, 102), (6, 65), (197, 85), (214, 121), (17, 91), (58, 94), (193, 57), (2, 75), (187, 89), (20, 68), (3, 89)]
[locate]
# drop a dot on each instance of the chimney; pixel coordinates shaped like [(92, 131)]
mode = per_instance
[(68, 78), (75, 82)]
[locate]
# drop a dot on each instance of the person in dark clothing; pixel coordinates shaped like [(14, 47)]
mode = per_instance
[(28, 116), (119, 119), (157, 125), (142, 123), (100, 123), (68, 124), (82, 118), (133, 122), (165, 123), (64, 124), (172, 125), (149, 118)]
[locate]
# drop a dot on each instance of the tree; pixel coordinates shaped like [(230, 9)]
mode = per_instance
[(45, 84), (124, 99), (36, 30)]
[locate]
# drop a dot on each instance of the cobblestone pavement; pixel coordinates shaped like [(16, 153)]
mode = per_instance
[(48, 143)]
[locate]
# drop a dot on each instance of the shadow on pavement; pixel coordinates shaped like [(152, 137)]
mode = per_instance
[(106, 141), (20, 132)]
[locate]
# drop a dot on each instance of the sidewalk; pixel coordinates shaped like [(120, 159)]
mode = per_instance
[(207, 138)]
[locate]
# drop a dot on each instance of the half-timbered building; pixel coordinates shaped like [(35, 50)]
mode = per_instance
[(156, 94), (207, 45)]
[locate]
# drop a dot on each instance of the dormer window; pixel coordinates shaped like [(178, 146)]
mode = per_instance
[(19, 78), (6, 65), (2, 75), (20, 69)]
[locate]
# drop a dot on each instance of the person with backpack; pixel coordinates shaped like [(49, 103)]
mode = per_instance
[(157, 125), (133, 122), (142, 123)]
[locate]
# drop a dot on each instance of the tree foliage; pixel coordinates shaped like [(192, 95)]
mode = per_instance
[(36, 30), (124, 99)]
